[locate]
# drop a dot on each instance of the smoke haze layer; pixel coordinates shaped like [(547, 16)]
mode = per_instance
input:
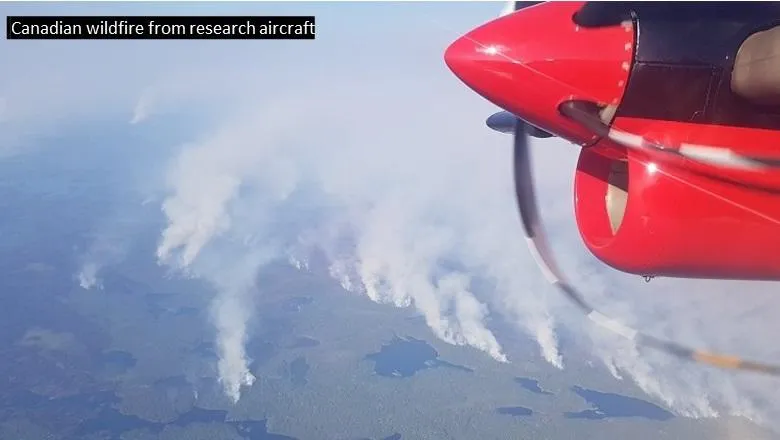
[(419, 195)]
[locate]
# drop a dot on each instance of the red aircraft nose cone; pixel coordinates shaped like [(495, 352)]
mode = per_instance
[(476, 64), (532, 60), (463, 59)]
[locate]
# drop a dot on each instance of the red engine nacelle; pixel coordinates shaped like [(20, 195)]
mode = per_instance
[(648, 217)]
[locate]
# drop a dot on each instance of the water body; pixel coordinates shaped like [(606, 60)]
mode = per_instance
[(113, 423), (116, 362), (606, 405), (441, 363), (94, 414), (200, 415), (251, 430), (110, 423), (531, 385), (299, 368), (517, 411), (407, 356)]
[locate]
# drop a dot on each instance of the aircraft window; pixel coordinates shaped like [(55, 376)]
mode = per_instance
[(683, 69), (668, 92), (690, 43), (729, 108), (756, 74)]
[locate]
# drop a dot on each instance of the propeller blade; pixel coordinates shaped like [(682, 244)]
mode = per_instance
[(529, 213), (526, 197), (540, 250)]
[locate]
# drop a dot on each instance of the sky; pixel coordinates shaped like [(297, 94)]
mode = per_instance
[(367, 123)]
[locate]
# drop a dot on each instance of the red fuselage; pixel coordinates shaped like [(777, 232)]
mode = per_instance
[(644, 212)]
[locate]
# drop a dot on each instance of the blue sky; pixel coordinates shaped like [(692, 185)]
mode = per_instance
[(369, 114)]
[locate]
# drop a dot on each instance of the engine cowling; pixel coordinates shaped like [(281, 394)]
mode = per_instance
[(645, 217)]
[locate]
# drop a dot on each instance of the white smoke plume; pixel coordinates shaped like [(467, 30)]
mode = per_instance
[(205, 182), (231, 309), (395, 266), (143, 107), (87, 276), (108, 247)]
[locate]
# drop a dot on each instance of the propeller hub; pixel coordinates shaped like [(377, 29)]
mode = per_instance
[(531, 61)]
